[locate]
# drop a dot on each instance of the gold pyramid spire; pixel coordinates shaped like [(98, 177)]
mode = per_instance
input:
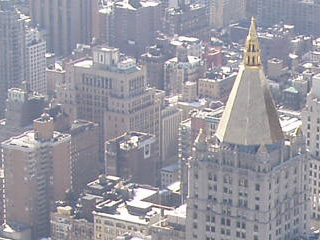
[(250, 117), (252, 56)]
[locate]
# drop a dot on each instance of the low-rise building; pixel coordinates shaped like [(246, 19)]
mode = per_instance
[(181, 69), (65, 225), (169, 174), (125, 155), (172, 227), (217, 84)]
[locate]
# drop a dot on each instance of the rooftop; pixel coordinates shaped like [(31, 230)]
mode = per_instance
[(27, 140), (208, 113), (132, 140), (126, 65), (124, 214), (192, 61), (171, 168), (136, 4), (136, 209), (200, 103)]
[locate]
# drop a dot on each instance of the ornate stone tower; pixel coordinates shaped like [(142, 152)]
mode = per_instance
[(250, 182)]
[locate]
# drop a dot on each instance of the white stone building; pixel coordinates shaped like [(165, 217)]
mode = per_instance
[(36, 61), (251, 182), (311, 129)]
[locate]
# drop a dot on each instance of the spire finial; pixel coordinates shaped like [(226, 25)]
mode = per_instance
[(252, 56), (252, 30)]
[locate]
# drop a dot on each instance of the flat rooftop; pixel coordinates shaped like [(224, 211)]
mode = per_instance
[(88, 64), (123, 213), (27, 140)]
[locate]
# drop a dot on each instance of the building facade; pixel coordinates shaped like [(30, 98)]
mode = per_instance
[(225, 12), (85, 153), (191, 20), (36, 61), (65, 22), (64, 225), (127, 153), (129, 16), (21, 109), (171, 116), (217, 85), (311, 129), (181, 69), (12, 55)]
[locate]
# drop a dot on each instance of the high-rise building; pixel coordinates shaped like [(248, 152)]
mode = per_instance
[(206, 119), (311, 129), (184, 153), (111, 90), (224, 12), (65, 22), (154, 60), (129, 17), (12, 52), (304, 15), (85, 153), (271, 12), (36, 172), (35, 61), (307, 17), (171, 116), (191, 20), (22, 107), (106, 24), (248, 182)]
